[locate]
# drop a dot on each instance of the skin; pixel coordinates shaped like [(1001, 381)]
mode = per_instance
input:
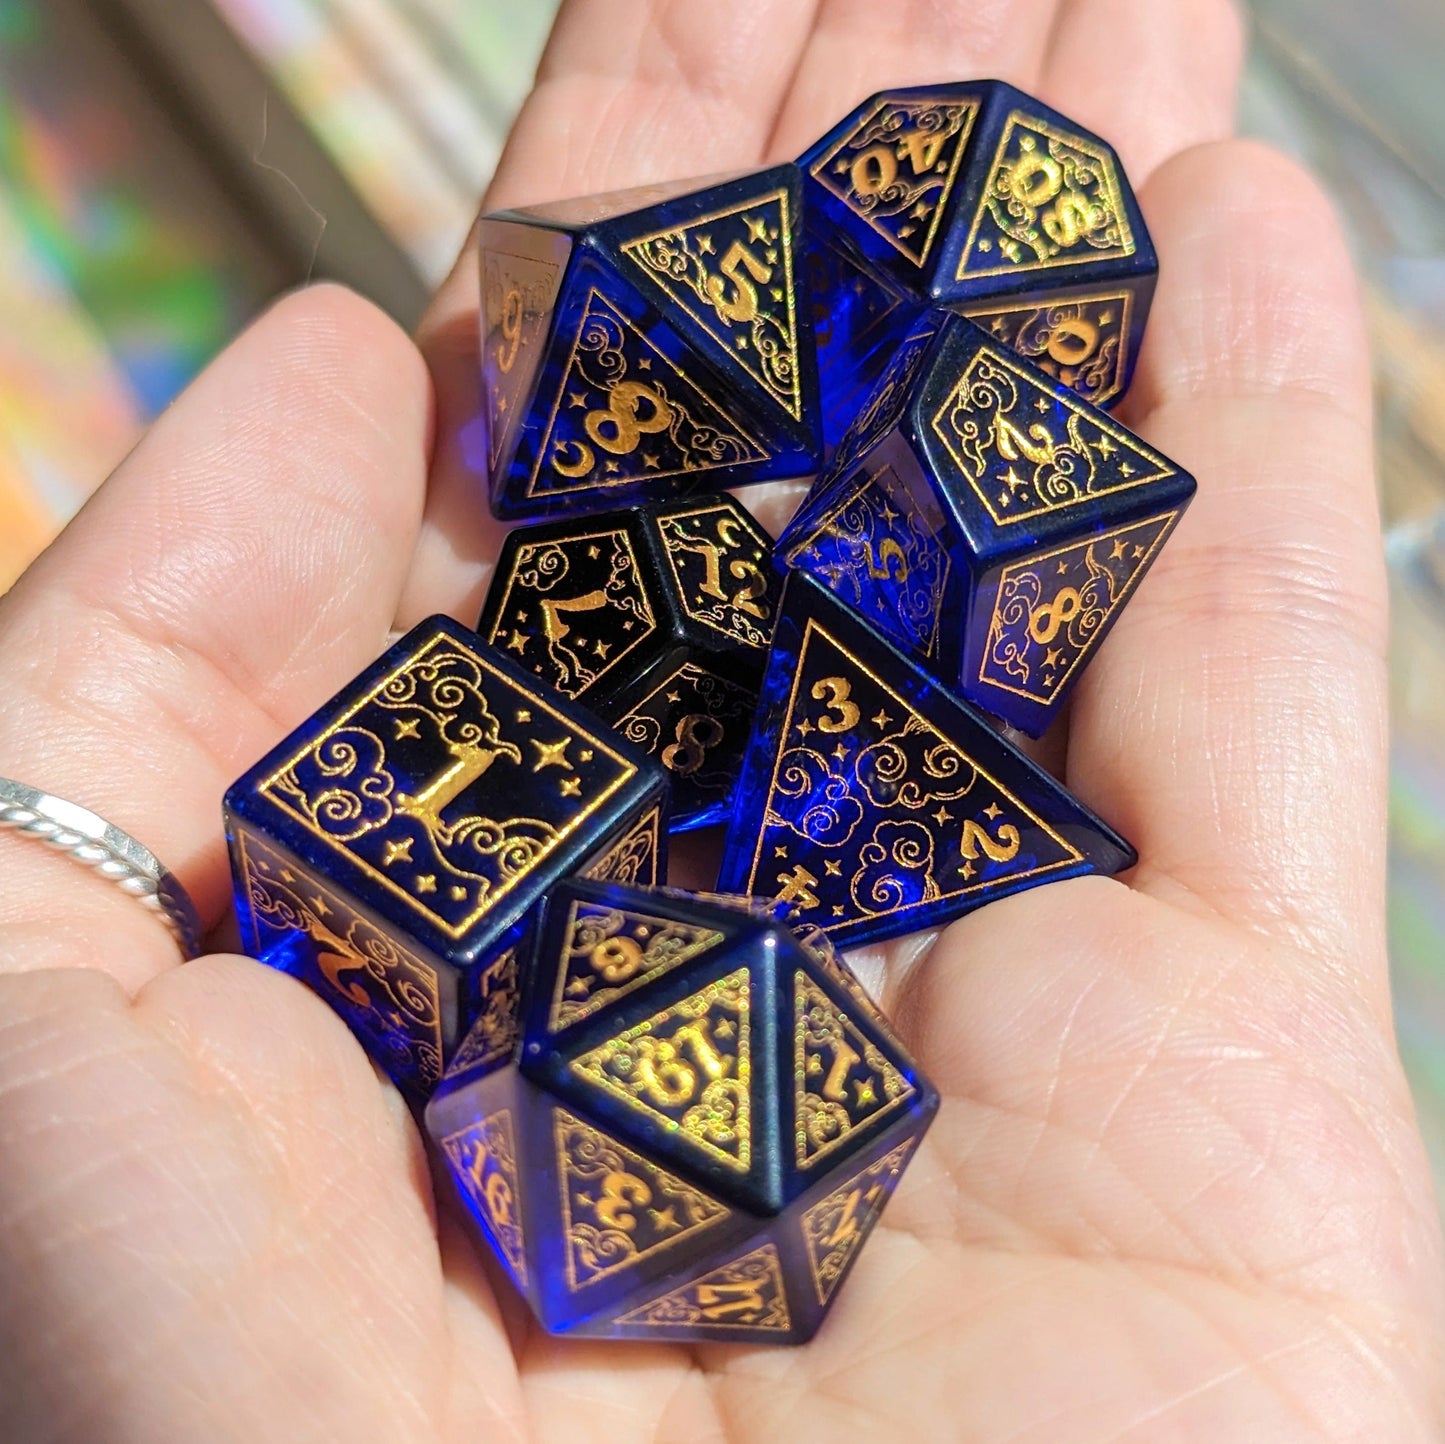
[(1175, 1191)]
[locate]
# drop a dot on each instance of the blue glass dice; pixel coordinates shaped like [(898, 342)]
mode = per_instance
[(645, 344), (658, 618), (875, 803), (390, 853), (681, 1125), (977, 197), (987, 519)]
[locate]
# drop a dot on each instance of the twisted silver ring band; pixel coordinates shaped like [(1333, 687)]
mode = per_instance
[(114, 854)]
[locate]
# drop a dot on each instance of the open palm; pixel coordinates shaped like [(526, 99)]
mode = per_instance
[(1175, 1190)]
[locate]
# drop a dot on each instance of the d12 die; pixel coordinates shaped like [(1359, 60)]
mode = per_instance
[(877, 804), (683, 1124), (648, 343), (977, 197), (391, 851), (659, 619), (988, 520)]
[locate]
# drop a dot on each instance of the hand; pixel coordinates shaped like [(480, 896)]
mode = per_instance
[(1175, 1191)]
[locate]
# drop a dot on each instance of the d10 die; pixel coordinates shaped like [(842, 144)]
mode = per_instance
[(876, 804), (682, 1125), (658, 619), (648, 343), (977, 197), (987, 519), (391, 851)]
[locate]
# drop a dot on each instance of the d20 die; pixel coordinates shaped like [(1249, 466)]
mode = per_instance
[(659, 619), (977, 197), (682, 1125), (877, 804), (988, 520), (391, 851), (648, 343)]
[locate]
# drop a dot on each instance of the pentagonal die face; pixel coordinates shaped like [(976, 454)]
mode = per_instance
[(658, 619), (390, 853), (1032, 516), (647, 344), (694, 1131), (978, 197)]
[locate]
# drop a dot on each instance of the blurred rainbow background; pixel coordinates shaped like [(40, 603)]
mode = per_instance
[(166, 168)]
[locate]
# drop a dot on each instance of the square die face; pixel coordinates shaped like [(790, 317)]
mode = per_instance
[(443, 790), (401, 1005)]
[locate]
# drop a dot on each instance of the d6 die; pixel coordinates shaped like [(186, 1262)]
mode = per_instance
[(391, 851), (977, 197), (988, 519), (640, 345), (658, 618), (874, 803), (684, 1124)]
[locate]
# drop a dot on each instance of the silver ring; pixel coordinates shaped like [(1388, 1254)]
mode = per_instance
[(114, 854)]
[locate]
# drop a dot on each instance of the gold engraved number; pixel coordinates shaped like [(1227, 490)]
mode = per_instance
[(888, 552), (634, 410), (876, 168), (696, 733), (616, 959), (332, 965), (554, 626), (837, 691), (744, 303), (847, 1226), (797, 887), (621, 1192), (511, 330), (470, 763), (495, 1190), (1035, 180), (663, 1073), (1004, 848), (756, 584), (1073, 341), (1045, 622), (844, 1058), (718, 1300)]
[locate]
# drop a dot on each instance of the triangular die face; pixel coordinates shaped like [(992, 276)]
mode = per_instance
[(483, 1157), (1082, 341), (625, 413), (873, 814), (1051, 610), (574, 608), (1052, 199), (880, 548), (896, 169), (843, 1081), (518, 294), (732, 272), (1028, 450), (686, 1071), (747, 1295), (609, 952), (634, 858), (619, 1211), (835, 1228)]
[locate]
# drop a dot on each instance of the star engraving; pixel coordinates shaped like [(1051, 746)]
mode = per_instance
[(552, 754), (408, 727), (426, 883), (397, 852), (571, 787)]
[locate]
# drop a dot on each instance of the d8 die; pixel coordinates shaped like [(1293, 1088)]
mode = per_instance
[(987, 519), (644, 344), (874, 803), (658, 619), (977, 197), (683, 1125), (390, 852)]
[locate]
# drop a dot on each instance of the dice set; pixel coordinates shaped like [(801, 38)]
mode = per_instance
[(670, 1115)]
